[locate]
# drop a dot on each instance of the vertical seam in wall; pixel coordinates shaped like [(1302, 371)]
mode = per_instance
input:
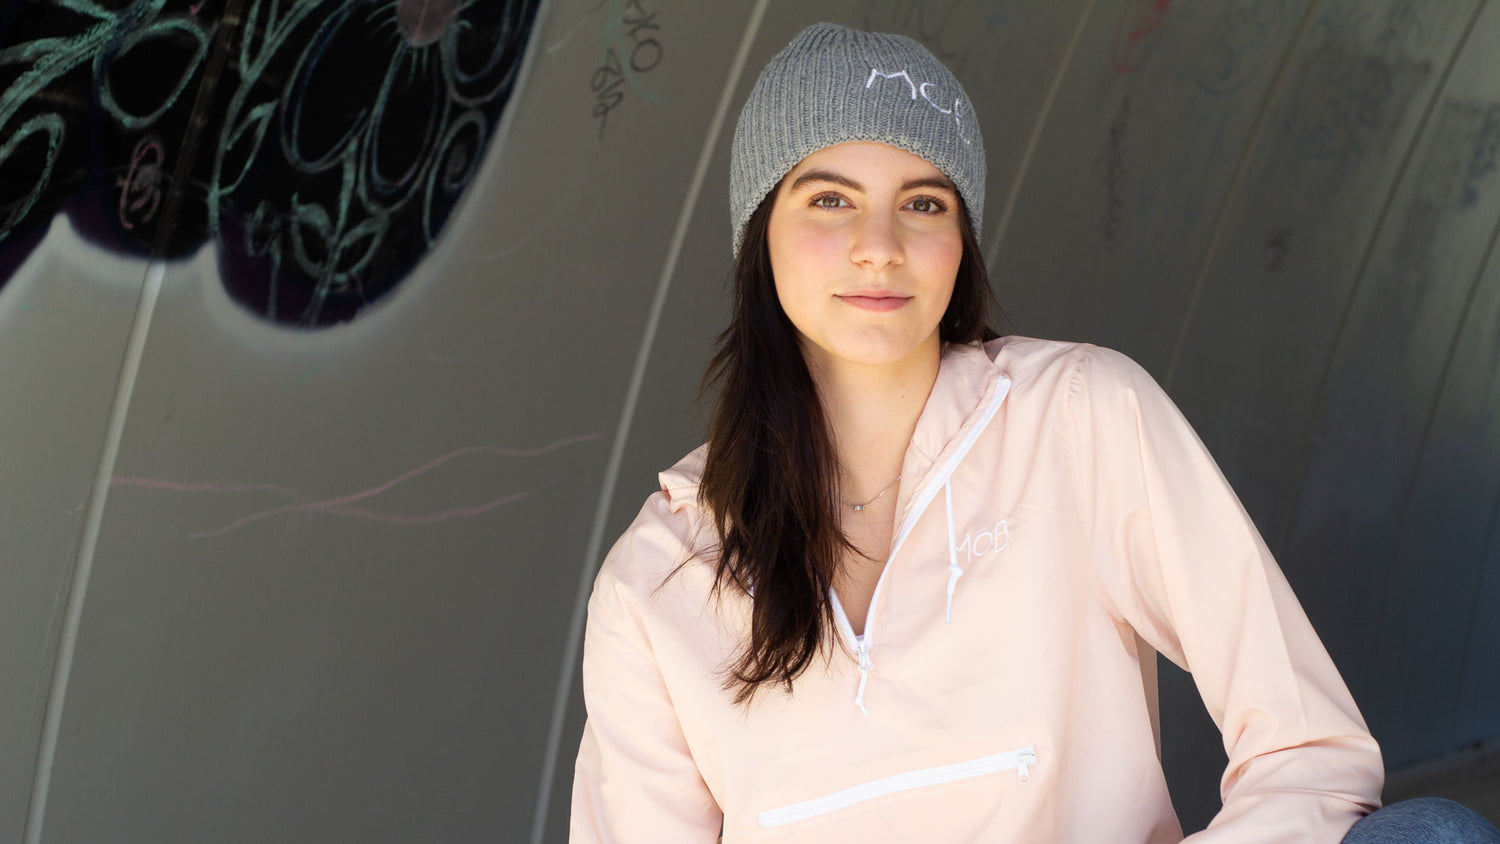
[(78, 588), (573, 646), (1014, 194), (1362, 272), (1231, 193), (1403, 514), (135, 348)]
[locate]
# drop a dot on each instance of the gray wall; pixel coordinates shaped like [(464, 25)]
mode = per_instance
[(326, 385)]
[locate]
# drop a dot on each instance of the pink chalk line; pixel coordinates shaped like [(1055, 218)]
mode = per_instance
[(338, 506), (419, 519), (191, 486)]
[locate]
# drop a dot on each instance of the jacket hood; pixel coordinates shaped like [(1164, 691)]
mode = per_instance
[(965, 397)]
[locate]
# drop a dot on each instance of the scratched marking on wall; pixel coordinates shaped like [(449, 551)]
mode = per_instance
[(359, 504), (631, 50), (1278, 246), (1347, 102), (334, 145), (1351, 89), (1484, 157)]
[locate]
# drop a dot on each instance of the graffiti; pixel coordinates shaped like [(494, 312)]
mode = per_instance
[(1363, 68), (1278, 246), (630, 51), (1485, 157), (1347, 100), (997, 13), (330, 151), (1139, 21), (1400, 29), (929, 22), (355, 505), (1239, 44), (140, 187)]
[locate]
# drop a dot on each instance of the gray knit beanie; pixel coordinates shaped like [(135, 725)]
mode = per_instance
[(833, 84)]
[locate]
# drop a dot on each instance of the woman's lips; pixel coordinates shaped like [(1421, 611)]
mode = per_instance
[(875, 301)]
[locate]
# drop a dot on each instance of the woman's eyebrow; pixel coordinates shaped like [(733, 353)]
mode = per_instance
[(826, 176), (938, 182)]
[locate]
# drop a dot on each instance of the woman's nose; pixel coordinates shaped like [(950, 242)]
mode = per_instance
[(877, 241)]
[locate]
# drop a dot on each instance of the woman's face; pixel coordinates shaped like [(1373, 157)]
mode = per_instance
[(865, 245)]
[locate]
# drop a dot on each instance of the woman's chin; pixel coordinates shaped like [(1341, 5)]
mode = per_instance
[(881, 353)]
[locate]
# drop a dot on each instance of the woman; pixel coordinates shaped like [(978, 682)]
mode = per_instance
[(913, 587)]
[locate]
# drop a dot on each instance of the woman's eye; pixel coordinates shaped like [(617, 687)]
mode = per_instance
[(828, 200), (926, 205)]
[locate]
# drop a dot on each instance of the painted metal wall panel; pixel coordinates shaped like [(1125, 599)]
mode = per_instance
[(1355, 531), (412, 351), (1470, 411), (64, 324), (1119, 208)]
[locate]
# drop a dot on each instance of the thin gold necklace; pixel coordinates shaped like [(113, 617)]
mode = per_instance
[(857, 507)]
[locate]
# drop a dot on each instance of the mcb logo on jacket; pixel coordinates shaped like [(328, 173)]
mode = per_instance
[(984, 543)]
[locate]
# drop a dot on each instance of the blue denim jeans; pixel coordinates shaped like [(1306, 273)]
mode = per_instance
[(1426, 819)]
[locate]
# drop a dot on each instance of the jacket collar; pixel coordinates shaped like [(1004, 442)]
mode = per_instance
[(966, 379)]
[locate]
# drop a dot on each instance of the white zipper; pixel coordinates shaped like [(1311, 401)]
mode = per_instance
[(861, 643), (1018, 760), (930, 491)]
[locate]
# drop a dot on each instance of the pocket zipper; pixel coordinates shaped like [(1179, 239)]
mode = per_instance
[(1018, 760)]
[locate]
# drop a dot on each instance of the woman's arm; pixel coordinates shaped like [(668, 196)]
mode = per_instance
[(635, 779), (1184, 565)]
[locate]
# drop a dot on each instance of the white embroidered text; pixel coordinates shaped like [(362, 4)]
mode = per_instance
[(921, 90), (984, 543)]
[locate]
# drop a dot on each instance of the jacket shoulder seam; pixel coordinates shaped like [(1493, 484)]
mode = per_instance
[(1079, 358)]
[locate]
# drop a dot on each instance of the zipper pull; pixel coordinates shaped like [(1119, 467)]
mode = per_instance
[(1023, 770), (862, 647)]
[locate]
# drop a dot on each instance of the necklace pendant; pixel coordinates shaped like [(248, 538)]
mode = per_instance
[(858, 507)]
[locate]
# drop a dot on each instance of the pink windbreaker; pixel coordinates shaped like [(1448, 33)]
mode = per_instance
[(1057, 521)]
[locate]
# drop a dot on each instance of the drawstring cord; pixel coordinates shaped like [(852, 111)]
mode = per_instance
[(955, 571), (915, 508)]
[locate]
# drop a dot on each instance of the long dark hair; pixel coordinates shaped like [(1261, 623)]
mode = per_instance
[(771, 478)]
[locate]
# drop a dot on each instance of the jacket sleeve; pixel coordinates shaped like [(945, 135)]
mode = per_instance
[(1183, 564), (635, 779)]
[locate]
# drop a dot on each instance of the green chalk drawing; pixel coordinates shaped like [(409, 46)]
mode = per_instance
[(335, 140)]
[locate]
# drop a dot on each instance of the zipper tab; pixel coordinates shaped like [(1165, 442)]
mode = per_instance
[(862, 646), (1023, 771)]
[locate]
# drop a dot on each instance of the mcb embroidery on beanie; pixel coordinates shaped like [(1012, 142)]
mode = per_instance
[(921, 91)]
